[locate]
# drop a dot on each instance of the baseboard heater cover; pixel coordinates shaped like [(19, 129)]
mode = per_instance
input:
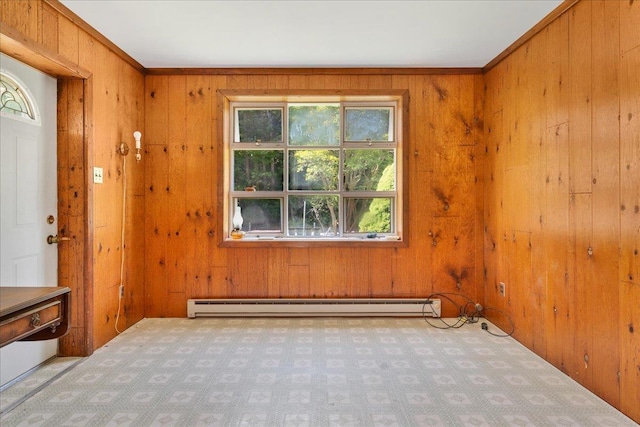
[(296, 307)]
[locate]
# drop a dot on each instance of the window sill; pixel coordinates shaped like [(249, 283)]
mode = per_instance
[(245, 242)]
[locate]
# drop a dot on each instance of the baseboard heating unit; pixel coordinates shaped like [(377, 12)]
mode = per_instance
[(295, 307)]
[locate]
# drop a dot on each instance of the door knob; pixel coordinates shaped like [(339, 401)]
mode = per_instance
[(55, 239)]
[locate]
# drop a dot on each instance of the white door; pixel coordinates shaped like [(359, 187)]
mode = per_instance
[(28, 196)]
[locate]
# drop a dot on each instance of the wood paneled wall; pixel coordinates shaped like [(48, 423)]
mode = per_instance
[(553, 178), (183, 259), (95, 115), (562, 190)]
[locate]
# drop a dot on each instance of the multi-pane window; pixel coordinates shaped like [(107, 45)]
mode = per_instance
[(314, 170)]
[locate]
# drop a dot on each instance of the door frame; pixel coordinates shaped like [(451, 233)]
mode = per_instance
[(75, 192)]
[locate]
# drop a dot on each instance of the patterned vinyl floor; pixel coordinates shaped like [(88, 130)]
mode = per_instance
[(312, 372)]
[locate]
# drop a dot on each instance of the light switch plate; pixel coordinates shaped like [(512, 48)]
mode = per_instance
[(97, 175)]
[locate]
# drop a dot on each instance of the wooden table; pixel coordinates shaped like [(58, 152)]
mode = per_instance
[(33, 313)]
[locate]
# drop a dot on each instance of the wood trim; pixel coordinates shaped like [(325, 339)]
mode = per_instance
[(291, 243), (311, 71), (88, 216), (281, 95), (73, 205), (67, 13), (222, 113), (406, 142), (30, 52), (552, 16)]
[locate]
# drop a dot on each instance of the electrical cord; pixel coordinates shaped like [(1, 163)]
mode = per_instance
[(469, 312), (464, 315), (513, 326), (124, 217)]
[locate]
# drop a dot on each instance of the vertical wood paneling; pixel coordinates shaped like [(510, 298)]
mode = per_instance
[(479, 178), (68, 39), (334, 282), (175, 191), (630, 166), (606, 196), (451, 134), (581, 225), (492, 201), (407, 281), (48, 31), (519, 283), (569, 124), (199, 192), (23, 15), (87, 56), (629, 18), (379, 276), (156, 182), (630, 350), (130, 115), (257, 280), (560, 308), (415, 264), (108, 220), (239, 261), (298, 280), (217, 286), (278, 277), (557, 71), (156, 230), (134, 302), (629, 269), (359, 280), (533, 126), (276, 82), (298, 82), (580, 69), (218, 256)]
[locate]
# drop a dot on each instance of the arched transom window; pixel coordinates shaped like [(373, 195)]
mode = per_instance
[(14, 99)]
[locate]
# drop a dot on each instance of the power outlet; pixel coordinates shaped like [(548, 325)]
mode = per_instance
[(97, 176), (502, 289)]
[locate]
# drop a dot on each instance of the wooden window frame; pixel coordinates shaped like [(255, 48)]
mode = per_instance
[(224, 100)]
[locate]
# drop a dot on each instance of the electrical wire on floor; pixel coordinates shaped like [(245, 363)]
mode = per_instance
[(124, 214), (469, 312), (505, 335)]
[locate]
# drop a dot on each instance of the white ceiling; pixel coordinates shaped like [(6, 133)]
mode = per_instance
[(310, 33)]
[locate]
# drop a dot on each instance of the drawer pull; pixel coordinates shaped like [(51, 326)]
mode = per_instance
[(35, 320)]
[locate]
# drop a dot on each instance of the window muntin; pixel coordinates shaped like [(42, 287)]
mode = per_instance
[(326, 186)]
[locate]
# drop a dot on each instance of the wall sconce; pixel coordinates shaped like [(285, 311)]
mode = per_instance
[(137, 135)]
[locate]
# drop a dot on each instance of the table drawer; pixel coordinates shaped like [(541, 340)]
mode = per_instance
[(27, 322)]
